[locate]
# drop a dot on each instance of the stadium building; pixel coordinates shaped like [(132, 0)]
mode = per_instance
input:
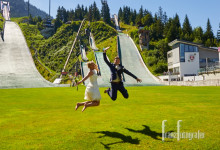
[(188, 59)]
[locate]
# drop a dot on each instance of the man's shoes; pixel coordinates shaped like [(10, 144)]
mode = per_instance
[(106, 91)]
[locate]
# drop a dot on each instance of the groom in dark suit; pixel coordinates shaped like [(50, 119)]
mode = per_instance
[(116, 77)]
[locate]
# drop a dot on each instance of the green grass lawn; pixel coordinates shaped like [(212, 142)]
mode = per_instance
[(45, 118)]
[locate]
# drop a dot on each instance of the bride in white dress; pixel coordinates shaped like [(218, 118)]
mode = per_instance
[(92, 93)]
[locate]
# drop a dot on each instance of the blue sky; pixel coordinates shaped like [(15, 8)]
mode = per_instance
[(198, 11)]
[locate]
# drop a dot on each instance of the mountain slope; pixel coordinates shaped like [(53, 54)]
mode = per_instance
[(19, 8)]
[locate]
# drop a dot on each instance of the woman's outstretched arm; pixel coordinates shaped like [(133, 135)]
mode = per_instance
[(85, 78)]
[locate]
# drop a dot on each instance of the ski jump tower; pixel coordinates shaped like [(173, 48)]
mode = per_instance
[(5, 8)]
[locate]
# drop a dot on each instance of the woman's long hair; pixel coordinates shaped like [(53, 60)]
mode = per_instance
[(92, 63)]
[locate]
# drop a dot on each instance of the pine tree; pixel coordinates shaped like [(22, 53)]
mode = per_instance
[(198, 35), (78, 13), (147, 20), (59, 15), (58, 23), (208, 35), (187, 30), (86, 11), (140, 15), (120, 14), (96, 13), (134, 16), (90, 14), (174, 29), (105, 12)]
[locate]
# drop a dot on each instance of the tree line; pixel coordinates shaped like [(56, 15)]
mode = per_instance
[(163, 29), (92, 13), (161, 26)]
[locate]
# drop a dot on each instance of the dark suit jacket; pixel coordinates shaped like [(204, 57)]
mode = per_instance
[(114, 70)]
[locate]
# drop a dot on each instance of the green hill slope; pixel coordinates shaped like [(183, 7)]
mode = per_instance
[(50, 54)]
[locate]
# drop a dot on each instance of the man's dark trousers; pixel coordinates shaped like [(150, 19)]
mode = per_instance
[(115, 87)]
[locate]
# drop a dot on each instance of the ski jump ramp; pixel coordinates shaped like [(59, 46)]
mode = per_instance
[(104, 79), (83, 53), (116, 22), (17, 69), (132, 61), (92, 42), (5, 7)]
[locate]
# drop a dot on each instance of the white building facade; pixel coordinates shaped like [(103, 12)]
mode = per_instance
[(187, 58)]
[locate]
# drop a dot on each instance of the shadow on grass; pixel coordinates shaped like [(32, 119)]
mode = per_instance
[(147, 131), (124, 138)]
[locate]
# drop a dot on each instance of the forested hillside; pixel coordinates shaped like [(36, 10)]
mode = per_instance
[(163, 29), (50, 54)]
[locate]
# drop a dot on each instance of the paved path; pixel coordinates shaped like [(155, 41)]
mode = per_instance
[(17, 69)]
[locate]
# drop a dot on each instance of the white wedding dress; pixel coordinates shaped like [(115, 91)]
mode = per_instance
[(92, 90)]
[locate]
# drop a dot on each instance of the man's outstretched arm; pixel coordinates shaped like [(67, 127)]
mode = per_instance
[(132, 75), (105, 57)]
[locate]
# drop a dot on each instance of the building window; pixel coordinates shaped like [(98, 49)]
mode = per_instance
[(191, 48), (213, 60), (176, 70), (202, 60), (196, 49), (169, 55), (186, 48), (182, 53)]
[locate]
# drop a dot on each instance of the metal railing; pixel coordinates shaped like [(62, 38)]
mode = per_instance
[(210, 68)]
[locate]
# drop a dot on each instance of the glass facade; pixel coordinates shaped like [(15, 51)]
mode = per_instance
[(186, 48), (182, 53), (203, 60)]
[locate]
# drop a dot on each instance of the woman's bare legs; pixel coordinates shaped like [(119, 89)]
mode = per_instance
[(81, 104), (90, 104)]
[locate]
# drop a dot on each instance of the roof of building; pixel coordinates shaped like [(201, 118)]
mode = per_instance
[(183, 41), (190, 43)]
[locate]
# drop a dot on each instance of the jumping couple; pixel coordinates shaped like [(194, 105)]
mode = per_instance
[(92, 93)]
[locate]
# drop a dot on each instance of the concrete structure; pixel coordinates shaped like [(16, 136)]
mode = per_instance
[(17, 68), (116, 22), (5, 7), (187, 58), (144, 38), (132, 61)]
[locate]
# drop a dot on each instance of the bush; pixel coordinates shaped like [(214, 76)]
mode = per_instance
[(151, 60)]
